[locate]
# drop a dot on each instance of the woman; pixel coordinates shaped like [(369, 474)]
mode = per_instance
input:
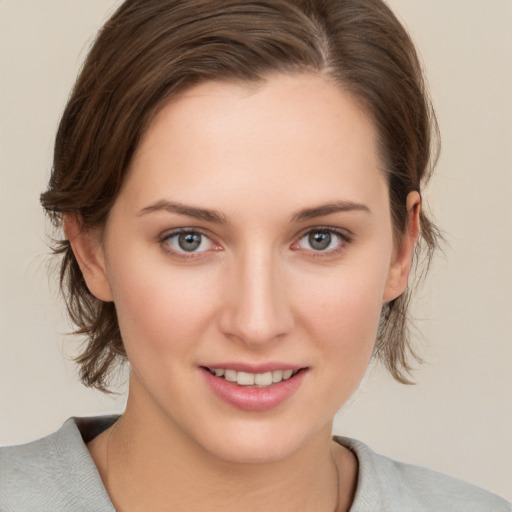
[(240, 189)]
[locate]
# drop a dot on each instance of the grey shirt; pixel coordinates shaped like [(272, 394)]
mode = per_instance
[(57, 474)]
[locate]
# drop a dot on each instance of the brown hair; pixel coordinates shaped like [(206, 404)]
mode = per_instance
[(152, 49)]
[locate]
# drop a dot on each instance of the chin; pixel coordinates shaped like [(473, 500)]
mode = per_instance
[(251, 451), (257, 442)]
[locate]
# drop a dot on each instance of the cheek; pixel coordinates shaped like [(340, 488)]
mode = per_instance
[(160, 308), (340, 321), (344, 310)]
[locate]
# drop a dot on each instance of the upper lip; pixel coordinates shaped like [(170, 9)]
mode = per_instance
[(253, 368)]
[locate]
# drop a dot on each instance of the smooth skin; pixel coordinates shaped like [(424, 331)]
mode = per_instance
[(258, 176)]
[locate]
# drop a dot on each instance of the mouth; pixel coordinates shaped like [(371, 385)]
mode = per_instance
[(254, 380), (254, 389)]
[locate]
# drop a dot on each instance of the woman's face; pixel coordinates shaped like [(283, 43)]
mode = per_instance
[(252, 239)]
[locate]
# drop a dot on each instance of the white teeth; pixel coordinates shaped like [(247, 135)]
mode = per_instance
[(263, 379), (245, 379), (287, 374), (230, 375), (253, 379), (277, 375)]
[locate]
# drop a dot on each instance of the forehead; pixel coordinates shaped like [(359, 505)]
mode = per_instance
[(221, 140)]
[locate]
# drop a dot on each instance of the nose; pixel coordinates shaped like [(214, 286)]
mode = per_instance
[(257, 308)]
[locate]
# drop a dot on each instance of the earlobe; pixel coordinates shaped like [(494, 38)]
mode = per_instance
[(88, 251), (402, 259)]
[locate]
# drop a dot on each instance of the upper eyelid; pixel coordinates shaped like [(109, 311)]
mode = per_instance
[(344, 233), (177, 231), (182, 254), (346, 238), (164, 237)]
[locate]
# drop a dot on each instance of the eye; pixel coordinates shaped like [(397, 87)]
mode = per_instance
[(322, 240), (187, 241)]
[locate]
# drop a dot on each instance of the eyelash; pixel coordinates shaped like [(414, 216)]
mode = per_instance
[(165, 239), (344, 239)]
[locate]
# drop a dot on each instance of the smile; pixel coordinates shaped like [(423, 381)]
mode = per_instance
[(257, 390), (253, 379)]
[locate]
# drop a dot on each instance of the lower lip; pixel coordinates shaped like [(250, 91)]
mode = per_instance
[(253, 398)]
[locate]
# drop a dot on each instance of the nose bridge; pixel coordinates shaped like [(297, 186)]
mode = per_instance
[(258, 309)]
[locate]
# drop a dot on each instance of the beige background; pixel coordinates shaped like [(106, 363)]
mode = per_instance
[(458, 418)]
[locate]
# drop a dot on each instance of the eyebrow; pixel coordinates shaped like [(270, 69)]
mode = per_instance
[(329, 209), (182, 209), (219, 218)]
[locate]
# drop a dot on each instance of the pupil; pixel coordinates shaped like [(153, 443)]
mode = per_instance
[(189, 241), (320, 240)]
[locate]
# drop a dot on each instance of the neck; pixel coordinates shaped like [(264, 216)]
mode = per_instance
[(147, 463)]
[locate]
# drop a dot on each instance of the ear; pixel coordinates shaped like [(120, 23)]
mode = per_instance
[(402, 257), (88, 250)]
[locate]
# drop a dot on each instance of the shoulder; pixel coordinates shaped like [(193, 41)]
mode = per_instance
[(51, 474), (388, 485)]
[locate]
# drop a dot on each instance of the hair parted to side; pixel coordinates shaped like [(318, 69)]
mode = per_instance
[(150, 50)]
